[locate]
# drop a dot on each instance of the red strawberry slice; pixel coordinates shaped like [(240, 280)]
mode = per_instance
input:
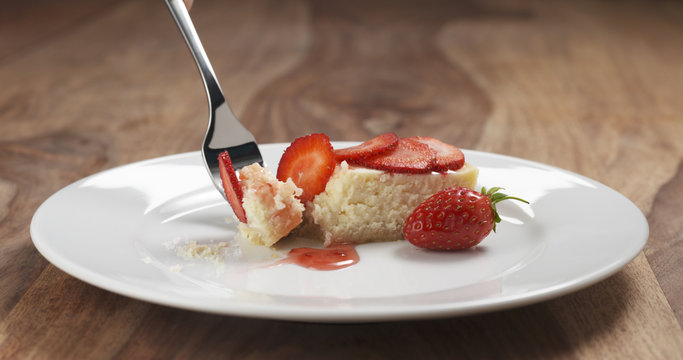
[(410, 156), (231, 186), (309, 161), (376, 146), (448, 157)]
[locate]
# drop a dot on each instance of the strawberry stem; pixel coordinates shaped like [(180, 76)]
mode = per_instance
[(495, 197)]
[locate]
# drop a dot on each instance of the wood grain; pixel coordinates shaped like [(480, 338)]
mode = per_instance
[(590, 86), (358, 78), (666, 253)]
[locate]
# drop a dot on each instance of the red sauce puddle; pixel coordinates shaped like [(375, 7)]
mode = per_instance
[(331, 258)]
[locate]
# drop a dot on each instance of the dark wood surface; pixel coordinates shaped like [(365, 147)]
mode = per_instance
[(590, 86)]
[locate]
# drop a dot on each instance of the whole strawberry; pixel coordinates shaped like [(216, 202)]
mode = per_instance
[(454, 218)]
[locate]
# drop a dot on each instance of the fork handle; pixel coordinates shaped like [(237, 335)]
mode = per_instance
[(182, 18)]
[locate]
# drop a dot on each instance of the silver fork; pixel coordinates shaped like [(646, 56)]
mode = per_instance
[(224, 132)]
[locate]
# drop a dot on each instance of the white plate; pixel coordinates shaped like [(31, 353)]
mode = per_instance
[(120, 230)]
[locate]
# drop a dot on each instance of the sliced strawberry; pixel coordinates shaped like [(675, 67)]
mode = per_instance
[(231, 186), (376, 146), (448, 157), (410, 156), (309, 161)]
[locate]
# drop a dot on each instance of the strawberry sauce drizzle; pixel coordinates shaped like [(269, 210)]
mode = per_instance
[(331, 258)]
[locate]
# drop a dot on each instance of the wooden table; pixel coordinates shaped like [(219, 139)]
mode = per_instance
[(592, 87)]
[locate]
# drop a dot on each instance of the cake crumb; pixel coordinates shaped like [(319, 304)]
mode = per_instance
[(176, 268), (209, 252), (170, 245)]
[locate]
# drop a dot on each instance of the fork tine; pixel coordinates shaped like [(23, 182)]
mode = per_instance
[(241, 155)]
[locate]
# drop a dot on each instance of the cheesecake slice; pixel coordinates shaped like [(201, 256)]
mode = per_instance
[(356, 195), (362, 205)]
